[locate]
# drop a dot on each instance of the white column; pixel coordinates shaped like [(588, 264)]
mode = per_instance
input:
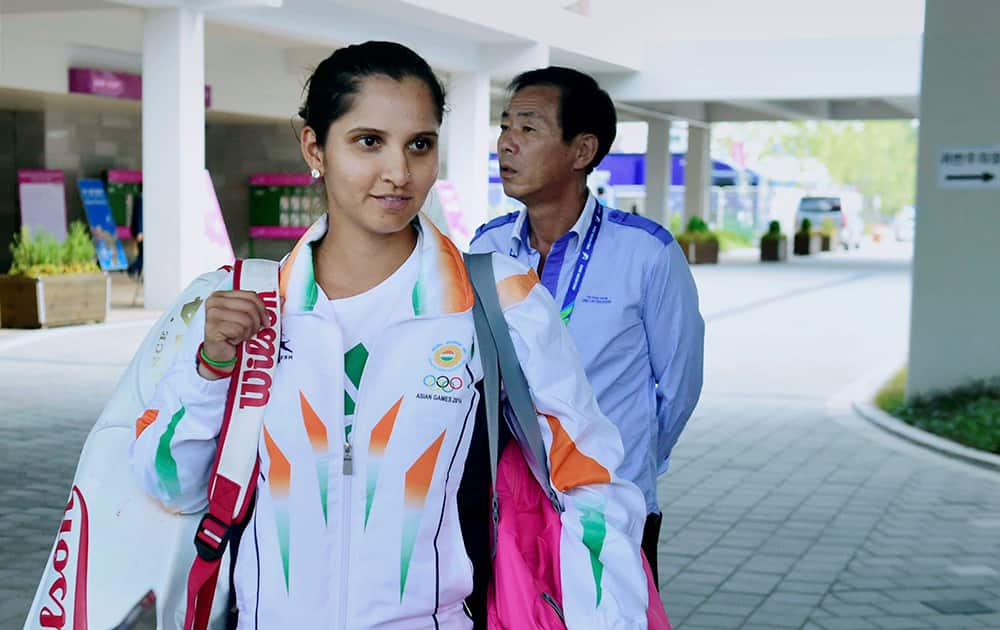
[(698, 173), (468, 143), (658, 171), (173, 151), (954, 337)]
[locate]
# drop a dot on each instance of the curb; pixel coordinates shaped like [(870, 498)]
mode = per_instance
[(922, 438)]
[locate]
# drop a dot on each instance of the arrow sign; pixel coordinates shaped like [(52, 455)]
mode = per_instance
[(983, 177), (969, 167)]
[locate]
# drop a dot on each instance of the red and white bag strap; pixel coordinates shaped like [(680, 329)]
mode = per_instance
[(234, 475)]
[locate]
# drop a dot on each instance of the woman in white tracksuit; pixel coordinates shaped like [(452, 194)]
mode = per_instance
[(372, 409)]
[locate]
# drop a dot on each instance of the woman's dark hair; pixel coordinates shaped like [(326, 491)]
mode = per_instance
[(332, 87), (583, 106)]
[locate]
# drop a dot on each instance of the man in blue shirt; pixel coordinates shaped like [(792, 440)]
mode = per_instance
[(621, 282)]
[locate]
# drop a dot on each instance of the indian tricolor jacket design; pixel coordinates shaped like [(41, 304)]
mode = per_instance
[(363, 531)]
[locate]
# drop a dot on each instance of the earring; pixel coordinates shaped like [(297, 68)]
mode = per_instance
[(315, 173)]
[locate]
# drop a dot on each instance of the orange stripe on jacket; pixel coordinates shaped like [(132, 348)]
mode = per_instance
[(458, 295), (280, 470), (418, 477), (314, 426), (147, 418), (380, 435), (571, 468), (512, 290), (285, 273)]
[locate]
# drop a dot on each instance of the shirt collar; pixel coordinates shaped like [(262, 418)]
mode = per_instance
[(519, 235)]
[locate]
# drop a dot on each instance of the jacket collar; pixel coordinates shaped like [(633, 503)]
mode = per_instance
[(442, 287)]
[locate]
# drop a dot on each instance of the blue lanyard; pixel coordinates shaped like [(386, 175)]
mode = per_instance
[(582, 262)]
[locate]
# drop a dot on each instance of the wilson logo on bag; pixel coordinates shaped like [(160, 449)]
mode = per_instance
[(69, 565), (255, 385)]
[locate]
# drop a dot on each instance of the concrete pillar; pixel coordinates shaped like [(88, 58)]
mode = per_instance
[(468, 143), (698, 173), (954, 337), (658, 171), (173, 151)]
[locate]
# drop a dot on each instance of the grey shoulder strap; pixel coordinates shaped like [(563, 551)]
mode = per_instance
[(492, 330)]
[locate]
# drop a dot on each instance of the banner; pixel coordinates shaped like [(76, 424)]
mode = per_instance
[(123, 189), (110, 253), (445, 210), (43, 201), (219, 250)]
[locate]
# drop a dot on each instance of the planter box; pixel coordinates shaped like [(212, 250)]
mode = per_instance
[(806, 244), (773, 250), (703, 253), (828, 243), (54, 300)]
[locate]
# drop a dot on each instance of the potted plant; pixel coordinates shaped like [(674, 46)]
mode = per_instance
[(700, 244), (829, 239), (806, 242), (773, 245), (52, 283)]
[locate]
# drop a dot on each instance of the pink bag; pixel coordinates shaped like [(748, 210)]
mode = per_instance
[(526, 592)]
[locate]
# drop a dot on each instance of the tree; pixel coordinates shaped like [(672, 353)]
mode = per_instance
[(877, 157)]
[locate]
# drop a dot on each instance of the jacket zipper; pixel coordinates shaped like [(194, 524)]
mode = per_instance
[(348, 472), (552, 602), (348, 476), (347, 479)]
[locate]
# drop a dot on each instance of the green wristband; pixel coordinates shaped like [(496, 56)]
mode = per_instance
[(215, 364)]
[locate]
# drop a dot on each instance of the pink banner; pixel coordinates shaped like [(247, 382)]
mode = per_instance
[(122, 85), (124, 232), (281, 179), (104, 83), (452, 208), (33, 176), (124, 177), (42, 196), (277, 232), (220, 250)]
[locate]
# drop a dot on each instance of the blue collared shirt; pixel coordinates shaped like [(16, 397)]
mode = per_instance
[(636, 324)]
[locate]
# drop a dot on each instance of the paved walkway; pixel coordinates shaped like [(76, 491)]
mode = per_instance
[(782, 508), (787, 514)]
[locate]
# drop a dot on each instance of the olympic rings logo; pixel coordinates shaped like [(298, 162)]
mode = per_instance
[(444, 383)]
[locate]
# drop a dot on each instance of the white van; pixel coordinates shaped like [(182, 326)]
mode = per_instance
[(820, 209)]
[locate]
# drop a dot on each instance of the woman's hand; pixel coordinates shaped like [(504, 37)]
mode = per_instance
[(231, 317)]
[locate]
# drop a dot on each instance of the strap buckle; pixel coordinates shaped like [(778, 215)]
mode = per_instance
[(211, 538)]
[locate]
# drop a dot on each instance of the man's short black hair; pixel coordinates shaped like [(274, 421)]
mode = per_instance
[(583, 106)]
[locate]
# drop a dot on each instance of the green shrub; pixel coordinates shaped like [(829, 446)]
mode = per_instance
[(698, 232), (697, 224), (807, 226), (968, 415), (773, 232), (40, 254), (892, 396)]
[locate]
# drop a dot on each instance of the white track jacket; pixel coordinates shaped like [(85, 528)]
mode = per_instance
[(364, 532)]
